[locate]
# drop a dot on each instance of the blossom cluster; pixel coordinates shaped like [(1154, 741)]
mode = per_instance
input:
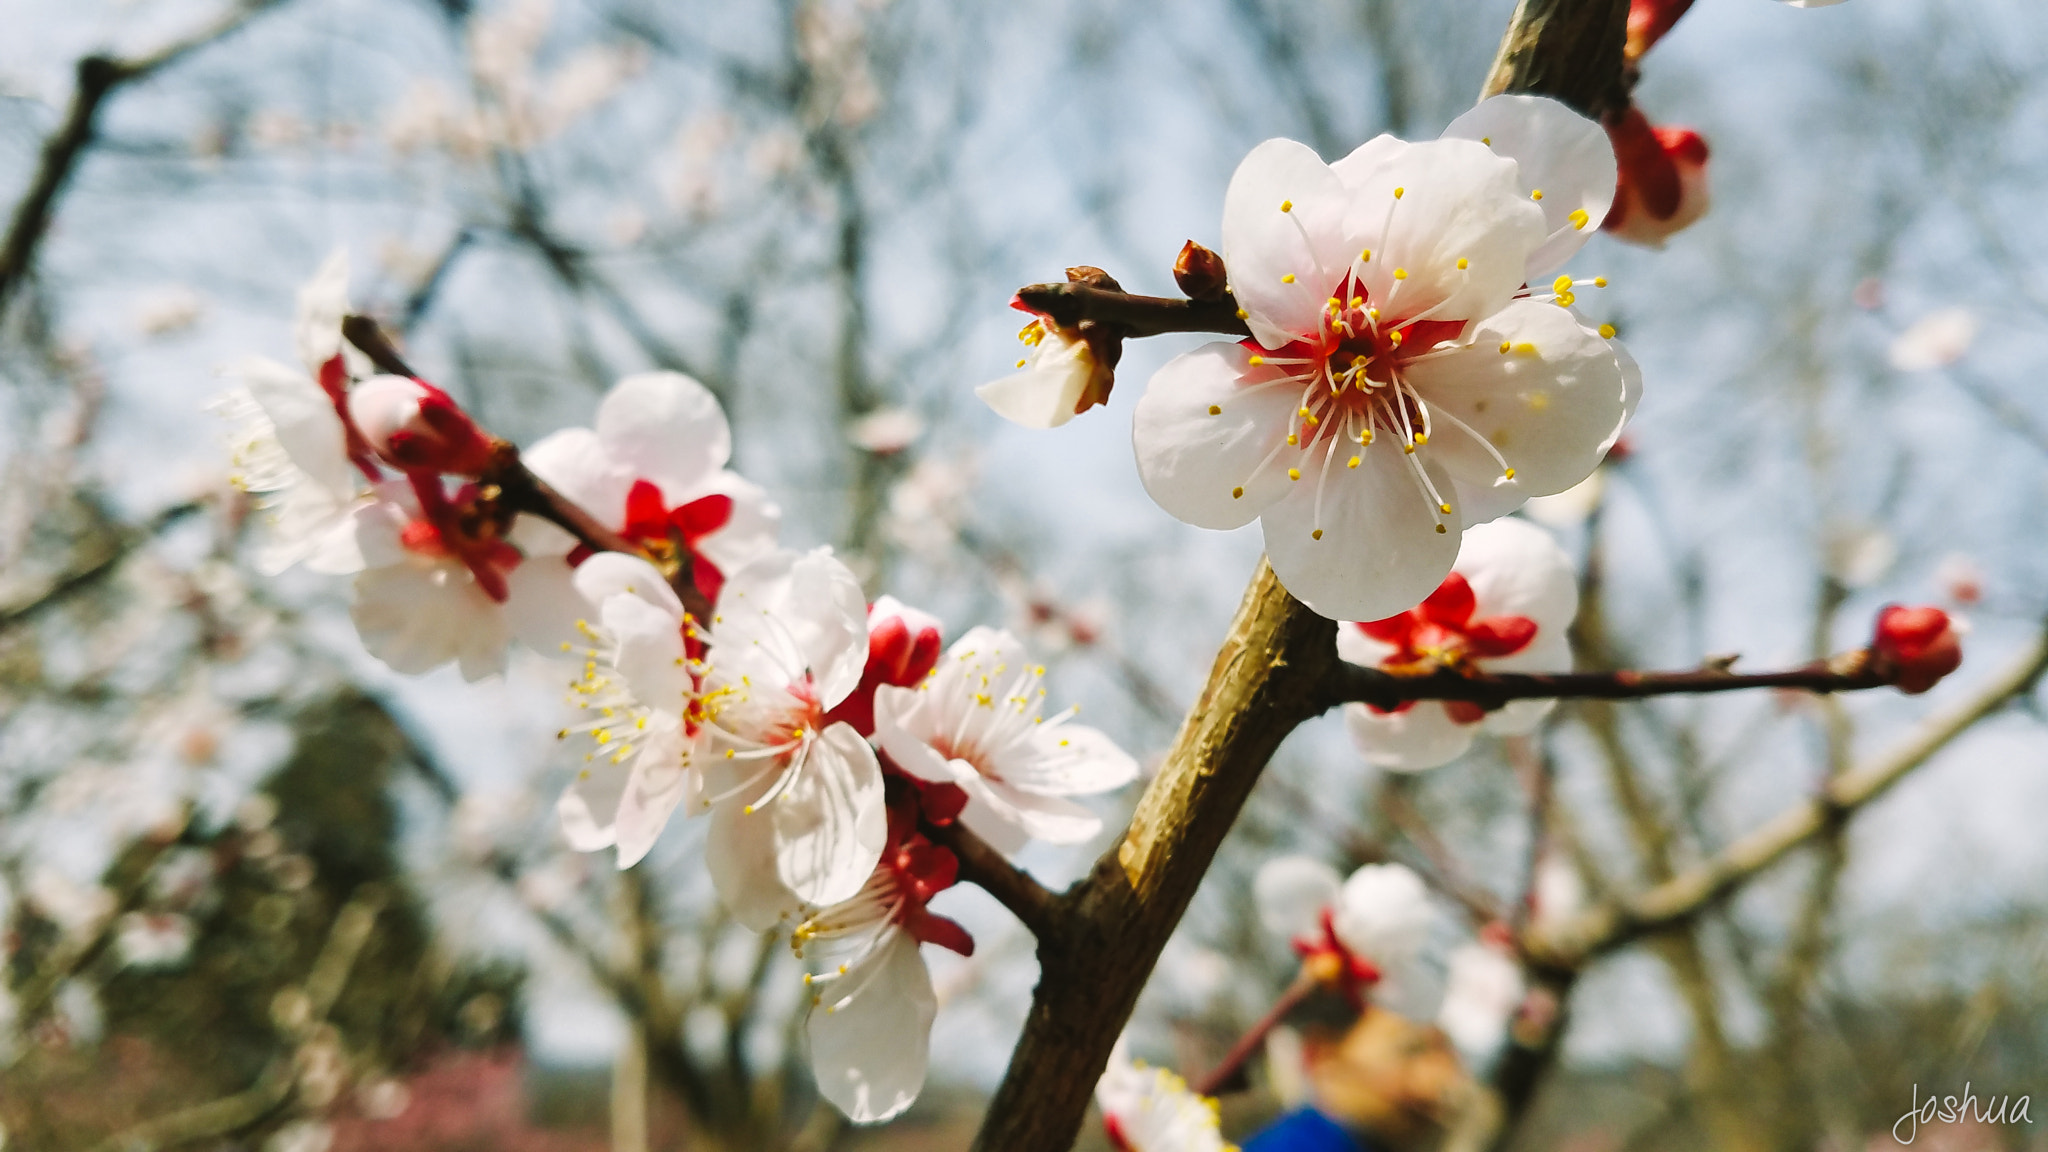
[(824, 739)]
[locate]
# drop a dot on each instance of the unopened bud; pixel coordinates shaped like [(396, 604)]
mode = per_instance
[(1093, 277), (903, 642), (1916, 647), (1200, 273), (1648, 21), (415, 426), (1660, 183)]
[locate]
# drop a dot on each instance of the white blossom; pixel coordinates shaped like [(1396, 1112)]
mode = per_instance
[(1153, 1110)]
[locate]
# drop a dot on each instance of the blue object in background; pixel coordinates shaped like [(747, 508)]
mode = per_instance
[(1306, 1131)]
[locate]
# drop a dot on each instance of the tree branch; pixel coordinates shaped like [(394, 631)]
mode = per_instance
[(1068, 304), (1353, 683), (1033, 904)]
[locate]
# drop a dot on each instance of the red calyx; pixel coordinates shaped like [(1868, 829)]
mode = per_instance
[(922, 870), (650, 520), (1650, 188), (444, 439), (463, 528), (1326, 957), (334, 381), (1648, 21), (1441, 632), (1916, 647), (897, 656)]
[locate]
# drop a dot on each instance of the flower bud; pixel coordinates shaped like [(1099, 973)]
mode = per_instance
[(1200, 273), (1648, 21), (903, 645), (1916, 647), (415, 426), (1661, 186)]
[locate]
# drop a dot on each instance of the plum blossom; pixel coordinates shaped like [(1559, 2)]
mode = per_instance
[(1350, 932), (654, 470), (1154, 1110), (975, 722), (1483, 988), (1400, 382), (1058, 378), (415, 427), (1662, 185), (1936, 340), (1505, 607), (872, 1002), (795, 800)]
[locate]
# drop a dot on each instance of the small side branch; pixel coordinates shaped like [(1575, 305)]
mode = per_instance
[(1069, 304), (1033, 904), (1352, 683)]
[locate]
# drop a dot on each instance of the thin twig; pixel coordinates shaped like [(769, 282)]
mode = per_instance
[(1033, 904), (1352, 683), (1069, 304)]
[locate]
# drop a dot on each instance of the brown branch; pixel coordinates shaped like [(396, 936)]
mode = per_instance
[(1603, 929), (98, 77), (1570, 50), (1068, 304), (1352, 683), (1212, 1081), (1033, 904)]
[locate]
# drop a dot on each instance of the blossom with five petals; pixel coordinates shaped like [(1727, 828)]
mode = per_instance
[(654, 470), (1505, 607), (1400, 382), (872, 1003), (976, 722), (1349, 932), (1153, 1110)]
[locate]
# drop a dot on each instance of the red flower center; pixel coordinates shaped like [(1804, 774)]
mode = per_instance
[(1442, 632)]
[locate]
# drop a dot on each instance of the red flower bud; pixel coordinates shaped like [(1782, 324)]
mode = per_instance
[(1916, 647), (903, 646), (1661, 185), (1200, 273), (1648, 21), (418, 428)]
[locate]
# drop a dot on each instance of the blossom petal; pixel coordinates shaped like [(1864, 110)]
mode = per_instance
[(1192, 460), (1284, 261), (1384, 913), (1549, 405), (904, 728), (589, 807), (650, 652), (659, 781), (1416, 738), (1071, 760), (1558, 152), (806, 610), (323, 301), (610, 574), (1045, 392), (1354, 645), (307, 427), (1291, 893), (830, 823), (750, 529), (665, 427), (995, 808), (417, 617), (1631, 394), (739, 853), (576, 463), (1458, 202), (1380, 552), (542, 604), (869, 1051), (1515, 568)]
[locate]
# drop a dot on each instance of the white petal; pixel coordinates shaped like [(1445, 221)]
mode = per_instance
[(610, 574), (1557, 151), (1053, 819), (803, 608), (1419, 737), (904, 727), (308, 429), (1283, 264), (1191, 459), (1354, 645), (1291, 893), (665, 427), (1936, 340), (1458, 201), (1481, 993), (1518, 569), (1072, 760), (416, 617), (1380, 552), (994, 823), (830, 823), (323, 301), (650, 652), (869, 1053), (1519, 717), (589, 807), (1550, 405), (749, 533), (739, 853), (542, 604), (659, 781), (576, 463), (1631, 394), (1366, 161), (1384, 913), (1043, 394)]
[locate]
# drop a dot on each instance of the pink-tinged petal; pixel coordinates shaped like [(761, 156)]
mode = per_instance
[(1072, 760), (665, 427), (650, 652), (1365, 162), (575, 462), (1380, 552), (1003, 810), (334, 549), (660, 779), (379, 525), (903, 727), (1291, 893), (589, 807), (323, 301), (416, 617), (869, 1052), (750, 528), (1203, 466), (1515, 568), (1383, 913), (610, 574), (535, 537), (1557, 152), (1519, 717), (1414, 739), (739, 852), (1458, 201), (307, 427), (1046, 391), (1550, 405), (1283, 239), (806, 610), (989, 820), (1354, 645), (542, 605), (830, 823)]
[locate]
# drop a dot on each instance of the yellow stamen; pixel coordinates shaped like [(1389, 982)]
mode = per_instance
[(1294, 473), (1579, 218), (1316, 535), (1287, 205), (1215, 410), (1400, 273), (1463, 263), (1536, 195), (1607, 331), (1287, 279)]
